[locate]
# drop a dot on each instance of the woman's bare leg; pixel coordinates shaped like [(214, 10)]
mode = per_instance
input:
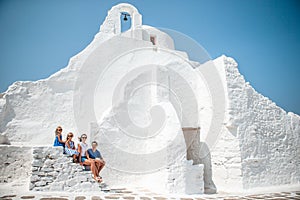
[(75, 158)]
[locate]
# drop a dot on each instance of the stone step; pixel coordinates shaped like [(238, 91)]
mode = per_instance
[(54, 171)]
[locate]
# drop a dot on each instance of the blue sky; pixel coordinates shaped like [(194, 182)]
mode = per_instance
[(38, 37)]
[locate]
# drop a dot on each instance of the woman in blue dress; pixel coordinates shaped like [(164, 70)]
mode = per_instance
[(58, 137), (70, 148)]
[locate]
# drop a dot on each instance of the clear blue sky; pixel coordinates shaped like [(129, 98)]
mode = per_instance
[(37, 37)]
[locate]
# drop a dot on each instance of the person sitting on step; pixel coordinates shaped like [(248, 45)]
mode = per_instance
[(82, 150), (70, 147), (58, 138), (97, 163)]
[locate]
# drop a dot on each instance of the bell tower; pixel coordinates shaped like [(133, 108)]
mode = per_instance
[(112, 23)]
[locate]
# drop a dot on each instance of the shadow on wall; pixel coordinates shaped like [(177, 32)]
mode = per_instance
[(200, 154), (7, 113)]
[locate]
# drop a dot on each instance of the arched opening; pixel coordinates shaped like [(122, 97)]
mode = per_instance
[(125, 20)]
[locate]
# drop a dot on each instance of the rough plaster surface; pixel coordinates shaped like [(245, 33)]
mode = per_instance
[(53, 171), (258, 144), (15, 163), (260, 141)]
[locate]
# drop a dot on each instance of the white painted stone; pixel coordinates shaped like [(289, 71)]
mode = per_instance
[(81, 178), (47, 169), (15, 163), (47, 179), (71, 182), (34, 178), (54, 174), (40, 183), (258, 144), (86, 185), (48, 163), (56, 187), (37, 163)]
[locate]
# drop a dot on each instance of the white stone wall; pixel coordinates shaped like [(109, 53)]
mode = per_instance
[(54, 171), (226, 162), (15, 163), (259, 145), (140, 162)]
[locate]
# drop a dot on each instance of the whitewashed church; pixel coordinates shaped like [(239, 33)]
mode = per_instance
[(162, 120)]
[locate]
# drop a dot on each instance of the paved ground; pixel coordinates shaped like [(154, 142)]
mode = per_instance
[(146, 195)]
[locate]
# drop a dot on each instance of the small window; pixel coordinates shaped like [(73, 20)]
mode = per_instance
[(153, 39)]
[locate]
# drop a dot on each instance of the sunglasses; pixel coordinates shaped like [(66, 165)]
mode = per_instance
[(70, 135), (59, 129), (83, 137)]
